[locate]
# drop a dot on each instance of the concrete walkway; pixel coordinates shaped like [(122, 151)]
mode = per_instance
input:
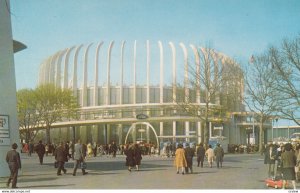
[(240, 171)]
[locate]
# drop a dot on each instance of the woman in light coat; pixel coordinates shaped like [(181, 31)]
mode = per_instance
[(180, 160), (210, 155)]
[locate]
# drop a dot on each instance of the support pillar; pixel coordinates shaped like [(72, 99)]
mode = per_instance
[(147, 134), (120, 133), (174, 131), (161, 128), (187, 131), (8, 108), (199, 131), (210, 130)]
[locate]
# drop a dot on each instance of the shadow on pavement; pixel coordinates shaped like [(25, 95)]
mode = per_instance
[(110, 166), (46, 186)]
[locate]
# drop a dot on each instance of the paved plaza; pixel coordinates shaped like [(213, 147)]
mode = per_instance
[(240, 171)]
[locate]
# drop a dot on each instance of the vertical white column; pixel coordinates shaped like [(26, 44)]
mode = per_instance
[(42, 73), (161, 84), (210, 130), (186, 85), (74, 78), (148, 133), (108, 73), (206, 69), (187, 130), (46, 70), (58, 81), (66, 68), (148, 72), (174, 131), (186, 76), (134, 73), (8, 106), (85, 77), (197, 63), (216, 76), (199, 127), (96, 74), (161, 128), (52, 68), (174, 82), (122, 72)]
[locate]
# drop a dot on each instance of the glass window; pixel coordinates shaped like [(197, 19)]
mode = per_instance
[(168, 95), (114, 96)]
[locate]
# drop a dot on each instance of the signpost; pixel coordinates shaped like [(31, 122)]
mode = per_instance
[(141, 116), (4, 130)]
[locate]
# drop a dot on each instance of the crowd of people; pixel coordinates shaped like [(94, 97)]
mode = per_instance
[(283, 162), (184, 156), (79, 152)]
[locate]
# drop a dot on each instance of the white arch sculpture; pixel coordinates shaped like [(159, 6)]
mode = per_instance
[(144, 123)]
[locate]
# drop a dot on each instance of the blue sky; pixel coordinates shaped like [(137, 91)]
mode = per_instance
[(238, 28)]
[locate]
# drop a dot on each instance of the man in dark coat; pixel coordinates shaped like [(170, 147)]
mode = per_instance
[(137, 156), (129, 152), (189, 154), (40, 150), (270, 157), (200, 154), (14, 164), (61, 157), (219, 153), (114, 148)]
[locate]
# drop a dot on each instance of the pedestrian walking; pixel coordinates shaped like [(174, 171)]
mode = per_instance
[(219, 153), (40, 150), (78, 158), (46, 149), (89, 150), (31, 147), (270, 157), (210, 155), (14, 163), (61, 157), (137, 156), (200, 155), (189, 154), (71, 150), (114, 148), (129, 152), (180, 160), (288, 159)]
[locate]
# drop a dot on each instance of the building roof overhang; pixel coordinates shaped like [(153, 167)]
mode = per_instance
[(18, 46)]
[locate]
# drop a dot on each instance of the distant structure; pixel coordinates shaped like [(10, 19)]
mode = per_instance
[(116, 86), (9, 132)]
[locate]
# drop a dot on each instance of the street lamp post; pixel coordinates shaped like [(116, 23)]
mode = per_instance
[(253, 128), (272, 129)]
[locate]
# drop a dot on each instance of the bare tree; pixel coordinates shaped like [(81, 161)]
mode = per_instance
[(286, 64), (261, 95), (209, 82)]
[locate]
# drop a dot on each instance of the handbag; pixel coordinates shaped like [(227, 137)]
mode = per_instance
[(56, 164), (83, 165)]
